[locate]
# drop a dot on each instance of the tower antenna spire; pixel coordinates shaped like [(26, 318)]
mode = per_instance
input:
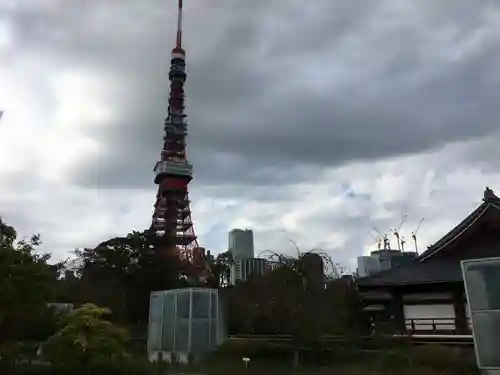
[(179, 26)]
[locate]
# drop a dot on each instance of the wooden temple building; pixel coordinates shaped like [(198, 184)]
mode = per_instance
[(426, 295)]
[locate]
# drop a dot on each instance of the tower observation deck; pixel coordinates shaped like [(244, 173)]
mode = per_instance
[(172, 224)]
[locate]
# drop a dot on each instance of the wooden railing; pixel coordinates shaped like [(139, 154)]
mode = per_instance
[(433, 325)]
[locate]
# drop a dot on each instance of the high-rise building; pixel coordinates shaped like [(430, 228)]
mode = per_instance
[(241, 244), (242, 269), (367, 266), (383, 260)]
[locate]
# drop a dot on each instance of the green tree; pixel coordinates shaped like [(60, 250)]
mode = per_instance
[(86, 338), (7, 235), (345, 309), (67, 285), (298, 297), (220, 269), (297, 301), (26, 284), (122, 272)]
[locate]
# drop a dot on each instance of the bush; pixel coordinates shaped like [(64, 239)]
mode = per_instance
[(444, 358), (238, 349), (30, 369), (86, 338), (235, 350), (425, 359), (130, 367)]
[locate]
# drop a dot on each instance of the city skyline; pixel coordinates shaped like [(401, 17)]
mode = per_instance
[(306, 124)]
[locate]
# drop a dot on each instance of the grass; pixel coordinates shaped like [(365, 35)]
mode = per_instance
[(280, 368), (263, 367), (257, 368), (276, 359), (268, 358)]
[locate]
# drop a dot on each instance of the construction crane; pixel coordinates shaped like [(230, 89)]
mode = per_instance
[(378, 241), (403, 241), (385, 239), (397, 231), (387, 243), (414, 234)]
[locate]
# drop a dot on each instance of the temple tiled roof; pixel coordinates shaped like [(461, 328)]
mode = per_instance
[(490, 202), (420, 270)]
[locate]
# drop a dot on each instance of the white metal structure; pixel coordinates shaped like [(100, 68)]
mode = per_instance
[(184, 324), (482, 287), (174, 167)]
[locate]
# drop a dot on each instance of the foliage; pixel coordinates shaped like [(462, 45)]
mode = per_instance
[(267, 358), (122, 272), (67, 285), (26, 285), (454, 360), (344, 308), (132, 366), (86, 337), (258, 350), (341, 359), (7, 235), (295, 302), (295, 298), (221, 269)]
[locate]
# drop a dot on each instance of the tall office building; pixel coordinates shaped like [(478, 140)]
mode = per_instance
[(242, 269), (383, 260), (241, 244)]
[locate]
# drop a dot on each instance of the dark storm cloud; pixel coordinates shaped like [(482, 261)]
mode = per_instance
[(274, 85)]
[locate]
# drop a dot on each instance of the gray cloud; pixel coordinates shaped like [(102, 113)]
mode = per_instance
[(277, 85), (287, 105)]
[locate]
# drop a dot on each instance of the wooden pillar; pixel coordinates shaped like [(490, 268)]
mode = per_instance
[(396, 310), (461, 324)]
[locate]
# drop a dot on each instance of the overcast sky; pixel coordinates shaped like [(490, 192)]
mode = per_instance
[(310, 123)]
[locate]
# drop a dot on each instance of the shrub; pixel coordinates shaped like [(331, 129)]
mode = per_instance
[(128, 367), (444, 358), (253, 349), (86, 338)]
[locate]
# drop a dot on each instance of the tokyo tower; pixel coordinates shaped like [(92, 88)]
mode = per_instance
[(172, 225)]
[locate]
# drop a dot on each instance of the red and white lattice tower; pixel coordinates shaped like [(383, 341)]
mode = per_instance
[(172, 225)]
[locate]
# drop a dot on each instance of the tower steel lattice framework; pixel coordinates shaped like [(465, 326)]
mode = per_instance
[(172, 225)]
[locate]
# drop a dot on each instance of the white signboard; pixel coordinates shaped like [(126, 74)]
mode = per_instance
[(482, 288)]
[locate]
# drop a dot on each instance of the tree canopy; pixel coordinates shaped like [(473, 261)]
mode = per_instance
[(293, 298), (27, 283), (86, 336), (122, 272)]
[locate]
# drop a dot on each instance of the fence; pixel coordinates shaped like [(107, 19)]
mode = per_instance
[(433, 326)]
